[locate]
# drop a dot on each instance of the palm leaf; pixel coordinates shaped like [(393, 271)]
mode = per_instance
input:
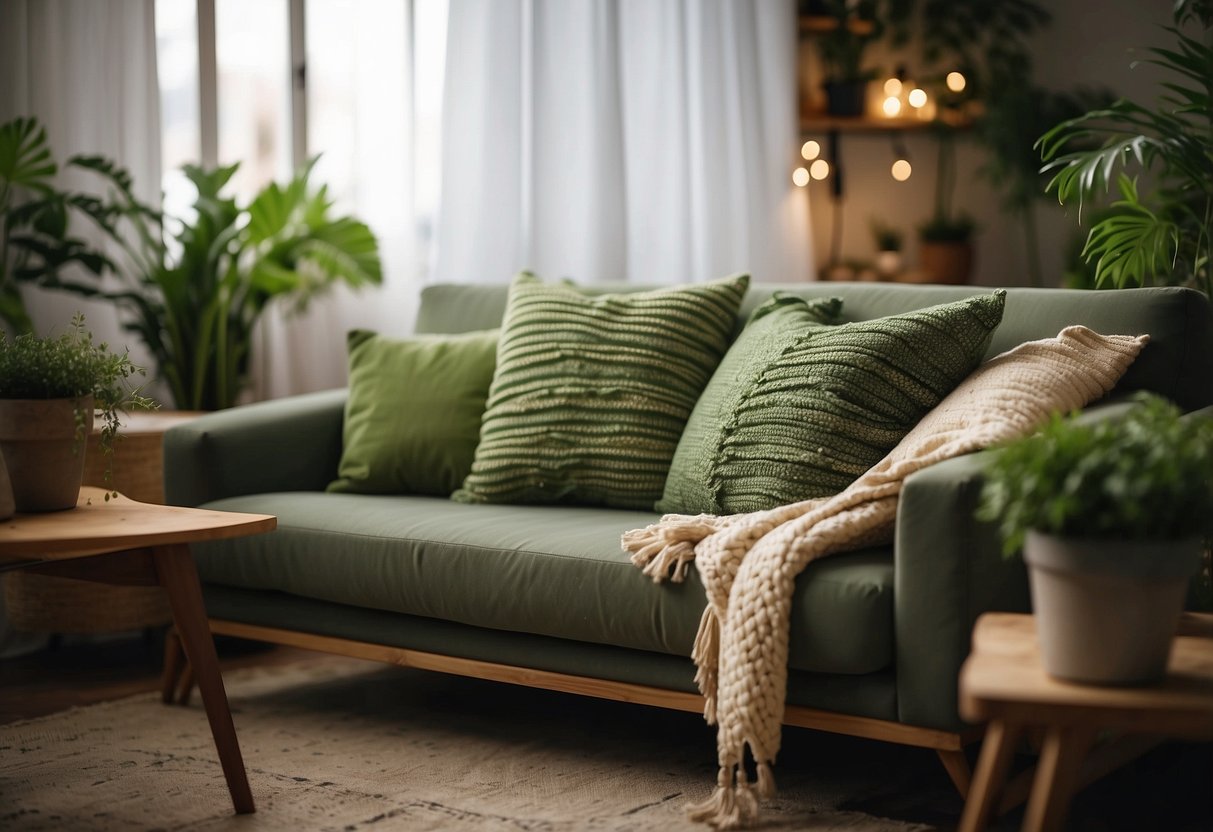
[(1133, 246), (25, 159)]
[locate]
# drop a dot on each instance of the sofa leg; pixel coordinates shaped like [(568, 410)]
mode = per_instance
[(186, 688), (957, 766), (174, 663)]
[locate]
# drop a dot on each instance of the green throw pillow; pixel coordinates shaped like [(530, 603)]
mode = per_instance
[(799, 409), (412, 419), (591, 393)]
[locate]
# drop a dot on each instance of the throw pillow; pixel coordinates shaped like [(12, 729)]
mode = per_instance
[(799, 409), (412, 419), (591, 393)]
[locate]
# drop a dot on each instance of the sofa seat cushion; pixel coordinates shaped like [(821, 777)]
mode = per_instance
[(549, 570)]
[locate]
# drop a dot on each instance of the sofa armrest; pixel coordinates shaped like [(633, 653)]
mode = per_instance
[(291, 444), (948, 570)]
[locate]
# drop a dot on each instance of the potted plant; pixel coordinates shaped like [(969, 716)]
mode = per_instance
[(35, 218), (1110, 515), (49, 391), (888, 249), (1162, 236), (856, 24), (193, 289)]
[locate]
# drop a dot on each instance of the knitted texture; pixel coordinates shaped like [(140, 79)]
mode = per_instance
[(749, 563), (591, 393), (798, 410)]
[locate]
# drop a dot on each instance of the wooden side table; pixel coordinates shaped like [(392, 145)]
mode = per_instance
[(39, 603), (1003, 683), (128, 543)]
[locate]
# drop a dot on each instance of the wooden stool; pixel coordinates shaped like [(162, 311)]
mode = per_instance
[(1003, 682)]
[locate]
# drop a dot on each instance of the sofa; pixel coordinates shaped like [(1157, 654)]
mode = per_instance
[(544, 595)]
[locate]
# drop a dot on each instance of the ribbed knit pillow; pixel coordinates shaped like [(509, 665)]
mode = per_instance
[(591, 393), (799, 409)]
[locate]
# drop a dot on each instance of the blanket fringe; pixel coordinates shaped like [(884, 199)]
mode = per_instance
[(666, 550), (706, 655), (732, 805)]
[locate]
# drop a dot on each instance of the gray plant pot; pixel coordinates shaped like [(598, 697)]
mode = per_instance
[(1106, 610), (43, 455)]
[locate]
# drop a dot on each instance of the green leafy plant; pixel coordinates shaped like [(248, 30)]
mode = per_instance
[(949, 228), (1147, 474), (193, 290), (35, 218), (71, 366), (1162, 236)]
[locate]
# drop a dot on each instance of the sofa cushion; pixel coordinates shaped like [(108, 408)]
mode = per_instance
[(412, 419), (548, 570), (591, 394), (798, 410)]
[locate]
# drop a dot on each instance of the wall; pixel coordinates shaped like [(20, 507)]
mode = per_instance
[(1088, 44)]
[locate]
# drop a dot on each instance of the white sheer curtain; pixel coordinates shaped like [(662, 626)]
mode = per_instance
[(360, 120), (87, 70), (611, 140)]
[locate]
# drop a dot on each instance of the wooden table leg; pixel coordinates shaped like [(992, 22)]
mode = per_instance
[(1061, 758), (174, 659), (996, 752), (175, 568)]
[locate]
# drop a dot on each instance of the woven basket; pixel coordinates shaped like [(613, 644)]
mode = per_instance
[(62, 605), (39, 603)]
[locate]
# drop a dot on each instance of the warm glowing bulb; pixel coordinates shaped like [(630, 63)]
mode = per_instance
[(819, 169), (901, 170), (810, 150), (891, 106), (917, 97), (892, 86), (955, 81), (800, 177)]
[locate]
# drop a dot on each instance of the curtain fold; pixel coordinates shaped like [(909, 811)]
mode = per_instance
[(610, 140)]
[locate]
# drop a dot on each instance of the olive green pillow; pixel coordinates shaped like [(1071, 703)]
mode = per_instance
[(799, 409), (412, 419), (591, 393)]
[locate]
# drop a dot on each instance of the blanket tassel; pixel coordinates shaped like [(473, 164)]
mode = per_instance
[(732, 804), (666, 550), (706, 655)]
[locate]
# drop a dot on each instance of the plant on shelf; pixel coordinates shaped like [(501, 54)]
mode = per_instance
[(50, 389), (195, 299), (35, 218), (856, 25), (1111, 515), (888, 248), (1161, 236)]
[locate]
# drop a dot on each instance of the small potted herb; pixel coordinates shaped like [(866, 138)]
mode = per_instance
[(888, 249), (49, 390), (1111, 517)]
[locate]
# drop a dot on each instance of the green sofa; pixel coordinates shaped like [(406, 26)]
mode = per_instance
[(545, 596)]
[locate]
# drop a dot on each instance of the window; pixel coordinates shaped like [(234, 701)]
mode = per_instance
[(370, 113)]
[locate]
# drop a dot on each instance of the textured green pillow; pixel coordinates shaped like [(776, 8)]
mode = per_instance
[(412, 418), (591, 393), (798, 409)]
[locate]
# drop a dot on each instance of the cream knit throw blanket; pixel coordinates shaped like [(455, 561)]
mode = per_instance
[(749, 562)]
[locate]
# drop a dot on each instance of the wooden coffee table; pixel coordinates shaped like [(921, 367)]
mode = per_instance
[(137, 544), (1003, 683)]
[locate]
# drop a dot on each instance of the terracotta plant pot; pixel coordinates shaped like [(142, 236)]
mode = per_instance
[(1106, 610), (946, 262), (44, 451)]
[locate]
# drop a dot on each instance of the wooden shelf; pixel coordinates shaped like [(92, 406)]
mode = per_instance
[(819, 24), (820, 122)]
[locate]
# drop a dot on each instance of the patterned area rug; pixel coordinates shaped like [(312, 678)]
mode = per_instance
[(339, 744)]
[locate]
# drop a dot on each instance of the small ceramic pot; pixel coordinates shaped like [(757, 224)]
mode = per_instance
[(1106, 610)]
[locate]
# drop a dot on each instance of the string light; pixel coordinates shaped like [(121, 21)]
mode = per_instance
[(917, 98), (891, 106), (955, 81), (901, 170), (820, 169), (892, 87), (810, 150), (800, 177)]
